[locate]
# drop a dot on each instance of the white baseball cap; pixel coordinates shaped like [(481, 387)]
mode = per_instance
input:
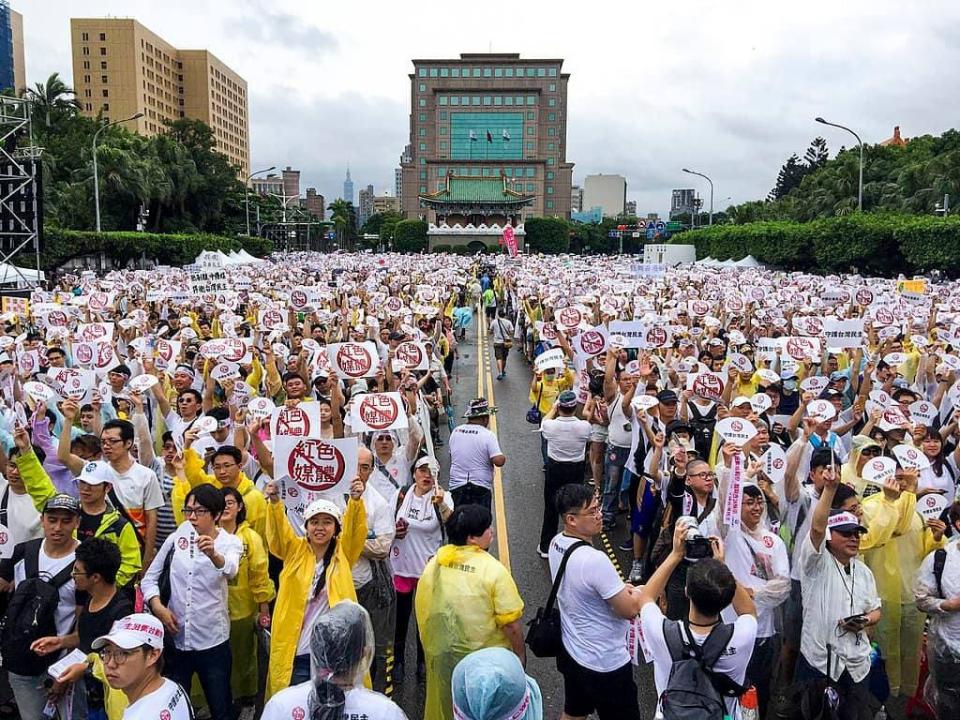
[(93, 473), (322, 507), (430, 463), (133, 631)]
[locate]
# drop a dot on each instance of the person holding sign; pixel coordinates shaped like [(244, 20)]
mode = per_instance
[(315, 577)]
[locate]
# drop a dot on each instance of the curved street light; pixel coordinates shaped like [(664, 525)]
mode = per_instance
[(96, 174), (700, 174), (246, 193), (860, 143)]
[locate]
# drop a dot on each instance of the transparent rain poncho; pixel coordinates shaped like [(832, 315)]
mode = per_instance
[(341, 648), (490, 684)]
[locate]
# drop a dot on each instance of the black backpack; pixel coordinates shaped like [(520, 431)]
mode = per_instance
[(31, 613), (693, 691), (702, 428)]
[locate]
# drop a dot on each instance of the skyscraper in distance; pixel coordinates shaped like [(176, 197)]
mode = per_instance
[(348, 187)]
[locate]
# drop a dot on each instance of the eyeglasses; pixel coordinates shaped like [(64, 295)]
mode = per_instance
[(117, 657), (752, 501), (589, 511), (223, 466), (704, 475), (110, 441), (198, 511), (77, 573), (231, 503), (870, 452)]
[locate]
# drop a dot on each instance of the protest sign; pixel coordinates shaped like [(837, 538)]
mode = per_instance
[(549, 360), (302, 420), (352, 360), (374, 412)]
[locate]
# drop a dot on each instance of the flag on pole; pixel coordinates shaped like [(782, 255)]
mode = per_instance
[(473, 136), (489, 137), (506, 135)]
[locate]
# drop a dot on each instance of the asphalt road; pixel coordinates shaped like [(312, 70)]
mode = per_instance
[(518, 512)]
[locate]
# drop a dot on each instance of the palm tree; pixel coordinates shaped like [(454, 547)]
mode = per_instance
[(342, 214), (52, 97)]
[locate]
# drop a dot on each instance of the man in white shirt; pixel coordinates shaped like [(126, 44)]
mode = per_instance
[(567, 437), (711, 587), (840, 599), (371, 576), (502, 330), (474, 452), (941, 601), (595, 612)]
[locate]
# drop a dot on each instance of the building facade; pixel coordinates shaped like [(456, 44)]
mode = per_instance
[(385, 203), (489, 115), (682, 202), (631, 208), (348, 188), (13, 71), (121, 68), (314, 204), (291, 182), (576, 199), (365, 209), (268, 185), (607, 192)]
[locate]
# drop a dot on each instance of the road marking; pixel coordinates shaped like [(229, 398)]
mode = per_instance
[(608, 549), (483, 370)]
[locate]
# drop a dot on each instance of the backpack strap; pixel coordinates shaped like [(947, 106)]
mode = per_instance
[(715, 644), (119, 507), (3, 504), (939, 562), (676, 644), (31, 558), (62, 577), (552, 599)]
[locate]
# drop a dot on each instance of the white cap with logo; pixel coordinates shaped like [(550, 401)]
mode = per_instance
[(133, 631)]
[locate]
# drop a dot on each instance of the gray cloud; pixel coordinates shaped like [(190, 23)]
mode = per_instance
[(261, 24)]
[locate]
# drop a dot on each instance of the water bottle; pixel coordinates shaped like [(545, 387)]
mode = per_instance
[(749, 705)]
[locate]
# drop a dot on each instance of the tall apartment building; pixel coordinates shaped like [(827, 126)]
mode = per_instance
[(489, 115), (314, 204), (576, 199), (291, 182), (366, 205), (13, 72), (608, 192), (682, 202), (405, 157), (384, 204), (121, 68)]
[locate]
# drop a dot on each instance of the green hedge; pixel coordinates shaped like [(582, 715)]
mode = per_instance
[(120, 248), (441, 248), (873, 243)]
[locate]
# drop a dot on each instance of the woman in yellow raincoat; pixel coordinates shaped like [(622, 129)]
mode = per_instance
[(894, 565), (466, 600), (315, 576), (248, 596)]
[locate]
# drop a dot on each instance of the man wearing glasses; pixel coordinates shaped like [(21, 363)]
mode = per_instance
[(132, 657)]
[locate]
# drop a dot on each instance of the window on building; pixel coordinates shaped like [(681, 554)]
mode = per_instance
[(86, 78), (549, 204), (106, 93), (423, 188), (508, 172), (552, 72), (103, 78), (550, 175), (508, 100), (443, 130), (551, 147), (423, 87), (488, 72), (552, 102), (423, 132), (552, 87), (531, 72), (443, 144), (89, 107), (488, 172), (423, 161), (444, 72), (86, 64), (531, 187), (476, 72), (103, 37), (508, 72), (454, 72), (454, 100), (530, 115), (475, 100), (475, 172), (433, 72), (86, 51), (551, 117), (487, 100), (518, 172), (531, 129), (441, 172), (103, 51), (498, 100), (103, 65), (106, 107), (498, 72), (549, 189), (552, 131), (443, 115), (541, 72), (422, 102), (551, 161), (423, 174), (464, 99), (85, 37), (531, 99)]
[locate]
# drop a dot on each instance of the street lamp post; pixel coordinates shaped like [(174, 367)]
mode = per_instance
[(700, 174), (96, 174), (246, 194), (860, 143)]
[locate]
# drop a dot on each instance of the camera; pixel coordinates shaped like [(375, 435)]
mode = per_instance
[(696, 546)]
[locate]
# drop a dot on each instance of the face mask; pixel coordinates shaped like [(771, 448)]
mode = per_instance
[(790, 385)]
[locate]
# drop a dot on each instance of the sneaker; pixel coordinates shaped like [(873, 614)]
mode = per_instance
[(542, 554), (626, 545), (636, 572), (247, 712)]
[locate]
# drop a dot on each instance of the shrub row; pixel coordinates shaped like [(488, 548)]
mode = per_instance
[(872, 243)]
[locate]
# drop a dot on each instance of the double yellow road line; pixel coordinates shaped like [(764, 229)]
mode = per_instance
[(485, 374)]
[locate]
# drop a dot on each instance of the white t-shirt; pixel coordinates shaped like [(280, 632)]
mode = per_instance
[(409, 554), (317, 604), (732, 663), (23, 519), (566, 438), (501, 329), (138, 489), (168, 702), (380, 523), (49, 567), (944, 482), (293, 702), (471, 447), (593, 634), (829, 595)]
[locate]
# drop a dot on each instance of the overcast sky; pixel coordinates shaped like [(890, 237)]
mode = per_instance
[(727, 88)]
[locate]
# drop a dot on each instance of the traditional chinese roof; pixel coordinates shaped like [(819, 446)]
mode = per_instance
[(476, 190), (896, 140)]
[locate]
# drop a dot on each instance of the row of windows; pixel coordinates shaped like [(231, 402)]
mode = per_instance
[(488, 100), (531, 116), (491, 172), (86, 65), (551, 88), (487, 72), (86, 37), (551, 131)]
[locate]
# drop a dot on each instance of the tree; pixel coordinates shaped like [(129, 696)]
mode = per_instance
[(344, 218), (410, 236), (375, 223), (52, 98), (817, 154), (791, 173), (548, 235)]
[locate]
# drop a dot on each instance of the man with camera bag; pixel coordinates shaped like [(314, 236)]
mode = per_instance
[(699, 663), (595, 609)]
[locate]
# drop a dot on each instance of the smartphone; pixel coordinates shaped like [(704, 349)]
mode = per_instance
[(860, 619)]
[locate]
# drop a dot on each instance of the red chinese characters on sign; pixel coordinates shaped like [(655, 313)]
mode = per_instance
[(656, 337), (354, 360), (314, 465), (410, 353), (294, 422), (709, 387), (569, 317), (592, 342), (83, 353), (379, 411)]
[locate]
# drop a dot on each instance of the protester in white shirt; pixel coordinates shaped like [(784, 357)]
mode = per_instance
[(839, 597), (711, 587), (132, 655), (204, 559), (502, 331), (758, 560), (567, 437), (596, 608), (391, 459), (941, 601), (17, 511), (474, 452), (419, 534), (341, 648)]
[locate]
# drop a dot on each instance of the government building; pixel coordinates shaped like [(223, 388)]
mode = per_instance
[(488, 145)]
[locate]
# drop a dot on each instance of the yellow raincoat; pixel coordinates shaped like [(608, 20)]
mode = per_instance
[(251, 586), (894, 565), (296, 577), (464, 599), (253, 499)]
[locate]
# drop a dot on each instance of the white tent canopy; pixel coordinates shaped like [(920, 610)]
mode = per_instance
[(20, 276), (748, 261)]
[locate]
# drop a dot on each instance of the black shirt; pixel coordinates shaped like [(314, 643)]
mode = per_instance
[(89, 524), (91, 625)]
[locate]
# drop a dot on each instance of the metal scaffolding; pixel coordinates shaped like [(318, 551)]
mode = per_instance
[(21, 189)]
